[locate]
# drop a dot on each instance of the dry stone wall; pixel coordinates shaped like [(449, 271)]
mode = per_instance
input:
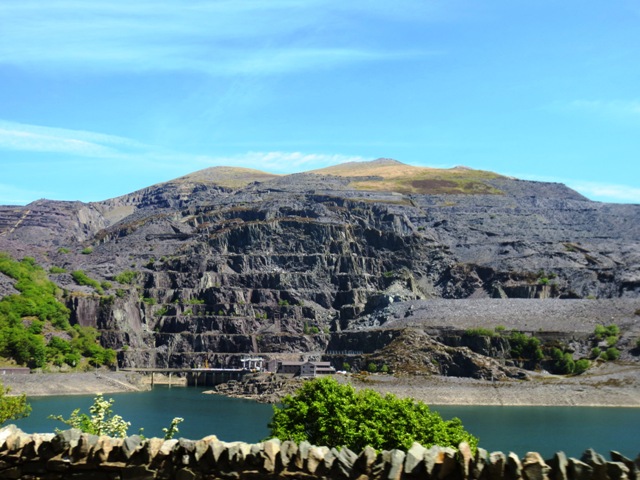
[(72, 454)]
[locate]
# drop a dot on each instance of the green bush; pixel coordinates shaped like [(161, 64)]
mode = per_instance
[(54, 270), (87, 250), (12, 407), (601, 332), (480, 332), (324, 412), (525, 347), (563, 363), (82, 278), (581, 366), (63, 250), (126, 278), (611, 354)]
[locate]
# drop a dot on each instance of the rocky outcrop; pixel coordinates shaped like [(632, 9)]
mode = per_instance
[(73, 454), (261, 387)]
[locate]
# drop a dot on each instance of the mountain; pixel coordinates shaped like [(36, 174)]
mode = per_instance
[(227, 261)]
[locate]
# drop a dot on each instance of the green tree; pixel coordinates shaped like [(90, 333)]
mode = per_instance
[(325, 412), (12, 407)]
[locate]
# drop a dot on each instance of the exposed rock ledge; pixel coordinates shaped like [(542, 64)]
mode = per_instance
[(608, 385)]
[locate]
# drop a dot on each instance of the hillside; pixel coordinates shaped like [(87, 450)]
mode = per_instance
[(228, 261)]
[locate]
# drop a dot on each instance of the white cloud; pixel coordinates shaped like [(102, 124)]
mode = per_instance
[(282, 162), (36, 138), (598, 191), (219, 38), (607, 192), (608, 107), (12, 195)]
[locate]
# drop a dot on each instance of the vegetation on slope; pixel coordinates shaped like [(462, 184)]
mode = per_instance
[(399, 177), (34, 324)]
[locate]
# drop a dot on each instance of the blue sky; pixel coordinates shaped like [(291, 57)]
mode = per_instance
[(100, 98)]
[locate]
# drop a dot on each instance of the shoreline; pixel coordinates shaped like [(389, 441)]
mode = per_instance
[(615, 386), (73, 383)]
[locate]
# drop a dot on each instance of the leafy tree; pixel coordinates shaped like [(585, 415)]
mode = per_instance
[(325, 412), (12, 407)]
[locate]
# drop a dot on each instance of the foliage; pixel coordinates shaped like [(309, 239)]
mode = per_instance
[(525, 347), (81, 278), (170, 432), (12, 407), (38, 295), (126, 278), (63, 250), (582, 366), (612, 353), (87, 251), (101, 420), (55, 270), (372, 367), (325, 412), (24, 317), (563, 363), (480, 332), (601, 332)]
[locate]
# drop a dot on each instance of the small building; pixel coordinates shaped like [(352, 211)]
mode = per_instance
[(313, 369), (307, 369)]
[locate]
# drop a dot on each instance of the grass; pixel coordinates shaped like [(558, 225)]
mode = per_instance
[(407, 179)]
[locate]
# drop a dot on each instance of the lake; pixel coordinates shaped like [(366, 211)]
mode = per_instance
[(518, 429)]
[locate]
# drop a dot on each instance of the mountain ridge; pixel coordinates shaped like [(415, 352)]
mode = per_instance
[(308, 263)]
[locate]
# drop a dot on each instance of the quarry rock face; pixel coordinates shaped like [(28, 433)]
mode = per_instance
[(300, 264)]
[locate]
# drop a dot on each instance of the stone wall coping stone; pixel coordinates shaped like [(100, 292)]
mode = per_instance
[(78, 455)]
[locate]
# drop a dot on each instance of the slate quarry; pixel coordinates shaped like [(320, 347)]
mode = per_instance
[(229, 262)]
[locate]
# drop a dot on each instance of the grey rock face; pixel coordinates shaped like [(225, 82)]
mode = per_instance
[(294, 265)]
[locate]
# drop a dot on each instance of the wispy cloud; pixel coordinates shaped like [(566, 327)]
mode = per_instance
[(219, 38), (282, 162), (12, 195), (36, 138), (599, 191), (607, 192), (608, 107)]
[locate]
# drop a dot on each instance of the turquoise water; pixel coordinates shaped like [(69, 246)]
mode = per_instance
[(517, 429)]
